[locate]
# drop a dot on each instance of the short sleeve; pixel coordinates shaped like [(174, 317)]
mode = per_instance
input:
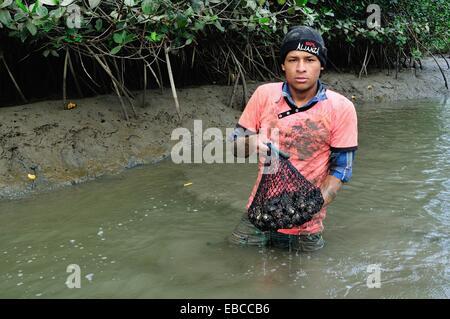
[(344, 132), (251, 118)]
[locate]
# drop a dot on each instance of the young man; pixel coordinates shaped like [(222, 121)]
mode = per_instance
[(315, 126)]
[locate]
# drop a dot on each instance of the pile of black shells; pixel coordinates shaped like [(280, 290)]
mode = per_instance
[(286, 210)]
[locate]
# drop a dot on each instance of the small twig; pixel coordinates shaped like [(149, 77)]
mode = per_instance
[(275, 61), (440, 69), (12, 78), (363, 68), (442, 56), (172, 83), (66, 60), (437, 63), (121, 101), (387, 60), (397, 64), (84, 68), (160, 76), (145, 85), (154, 74), (236, 83), (244, 84), (113, 79), (77, 84), (122, 86), (122, 69), (193, 57)]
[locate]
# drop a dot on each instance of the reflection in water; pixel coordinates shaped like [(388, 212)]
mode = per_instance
[(144, 234)]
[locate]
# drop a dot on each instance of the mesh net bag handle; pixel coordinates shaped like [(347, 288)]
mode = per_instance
[(284, 198)]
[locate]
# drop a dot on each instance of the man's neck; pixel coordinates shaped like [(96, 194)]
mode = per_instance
[(302, 97)]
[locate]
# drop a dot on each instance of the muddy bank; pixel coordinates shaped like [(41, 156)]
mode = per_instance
[(65, 147), (379, 86)]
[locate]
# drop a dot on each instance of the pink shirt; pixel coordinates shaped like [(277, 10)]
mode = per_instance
[(307, 136)]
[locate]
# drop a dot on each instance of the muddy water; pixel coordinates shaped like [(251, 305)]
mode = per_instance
[(143, 234)]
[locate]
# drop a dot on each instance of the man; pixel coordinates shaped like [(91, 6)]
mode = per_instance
[(315, 126)]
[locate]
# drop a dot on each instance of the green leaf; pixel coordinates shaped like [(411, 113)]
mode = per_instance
[(164, 29), (123, 37), (264, 20), (116, 49), (130, 3), (47, 26), (281, 2), (189, 12), (181, 21), (5, 3), (31, 27), (57, 13), (93, 3), (154, 37), (49, 2), (98, 24), (199, 25), (150, 6), (32, 8), (301, 3), (198, 5), (188, 41), (119, 38), (5, 17), (19, 16), (65, 3), (22, 6), (219, 26), (23, 36), (251, 4), (42, 11)]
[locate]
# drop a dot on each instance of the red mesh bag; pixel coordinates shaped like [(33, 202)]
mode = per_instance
[(284, 198)]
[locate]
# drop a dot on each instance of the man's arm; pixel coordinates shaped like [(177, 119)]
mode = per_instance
[(241, 147), (330, 188), (340, 172)]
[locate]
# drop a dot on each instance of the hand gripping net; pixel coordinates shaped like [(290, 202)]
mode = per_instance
[(284, 198)]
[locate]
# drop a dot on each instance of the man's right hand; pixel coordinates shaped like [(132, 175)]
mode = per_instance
[(258, 142), (247, 145)]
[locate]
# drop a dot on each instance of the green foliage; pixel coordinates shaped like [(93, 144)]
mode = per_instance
[(412, 27)]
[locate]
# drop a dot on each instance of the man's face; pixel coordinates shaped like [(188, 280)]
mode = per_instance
[(302, 70)]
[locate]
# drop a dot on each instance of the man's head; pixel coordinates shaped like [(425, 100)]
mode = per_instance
[(303, 56)]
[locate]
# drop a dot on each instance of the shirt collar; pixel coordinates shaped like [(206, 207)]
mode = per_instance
[(320, 95)]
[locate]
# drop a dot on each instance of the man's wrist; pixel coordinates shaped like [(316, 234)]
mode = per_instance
[(330, 188)]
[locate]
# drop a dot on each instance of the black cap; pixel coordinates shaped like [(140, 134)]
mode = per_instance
[(304, 38)]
